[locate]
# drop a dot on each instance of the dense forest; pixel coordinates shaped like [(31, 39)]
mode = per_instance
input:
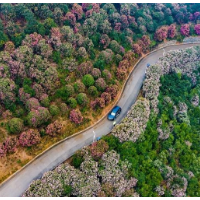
[(154, 151), (63, 65)]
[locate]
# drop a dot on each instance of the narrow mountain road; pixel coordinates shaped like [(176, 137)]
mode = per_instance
[(20, 181)]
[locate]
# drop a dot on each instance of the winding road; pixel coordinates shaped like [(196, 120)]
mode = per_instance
[(19, 182)]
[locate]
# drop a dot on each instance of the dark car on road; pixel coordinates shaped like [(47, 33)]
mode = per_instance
[(114, 113)]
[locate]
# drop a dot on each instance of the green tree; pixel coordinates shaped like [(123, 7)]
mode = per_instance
[(88, 80), (54, 110), (72, 102), (82, 99), (15, 125), (93, 91), (65, 92), (3, 39)]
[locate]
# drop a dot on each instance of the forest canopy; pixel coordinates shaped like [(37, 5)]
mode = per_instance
[(63, 65)]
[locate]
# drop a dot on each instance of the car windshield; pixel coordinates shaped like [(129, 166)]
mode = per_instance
[(112, 113)]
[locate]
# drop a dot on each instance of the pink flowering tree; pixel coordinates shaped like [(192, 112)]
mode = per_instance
[(55, 39), (9, 46), (197, 29), (32, 103), (23, 96), (124, 21), (11, 144), (54, 128), (93, 104), (118, 26), (161, 33), (85, 6), (100, 102), (121, 73), (107, 75), (82, 52), (104, 41), (96, 73), (112, 90), (32, 40), (172, 31), (185, 30), (76, 116), (77, 10), (84, 68), (29, 138), (146, 40), (106, 55), (137, 49), (98, 148), (107, 97), (38, 116), (100, 84), (70, 17), (39, 90), (79, 86)]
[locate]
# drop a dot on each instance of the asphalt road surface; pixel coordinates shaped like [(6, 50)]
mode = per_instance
[(21, 180)]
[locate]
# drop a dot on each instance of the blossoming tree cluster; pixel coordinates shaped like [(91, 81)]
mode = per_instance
[(85, 182)]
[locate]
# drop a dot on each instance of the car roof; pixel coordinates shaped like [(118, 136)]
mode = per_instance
[(116, 108)]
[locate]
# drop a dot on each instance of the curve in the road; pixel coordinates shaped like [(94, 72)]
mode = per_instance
[(19, 182)]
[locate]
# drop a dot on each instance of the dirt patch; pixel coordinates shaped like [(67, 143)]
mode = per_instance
[(12, 163)]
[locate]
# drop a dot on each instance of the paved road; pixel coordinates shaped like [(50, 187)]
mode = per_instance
[(18, 183)]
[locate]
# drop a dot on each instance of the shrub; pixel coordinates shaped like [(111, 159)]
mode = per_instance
[(37, 117), (11, 144), (45, 100), (63, 108), (100, 102), (54, 128), (72, 102), (32, 103), (54, 110), (107, 75), (65, 92), (93, 91), (96, 73), (77, 159), (112, 90), (82, 99), (84, 68), (15, 125), (100, 84), (107, 97), (185, 29), (79, 87), (76, 116), (88, 80), (67, 190), (197, 29), (161, 33), (29, 138)]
